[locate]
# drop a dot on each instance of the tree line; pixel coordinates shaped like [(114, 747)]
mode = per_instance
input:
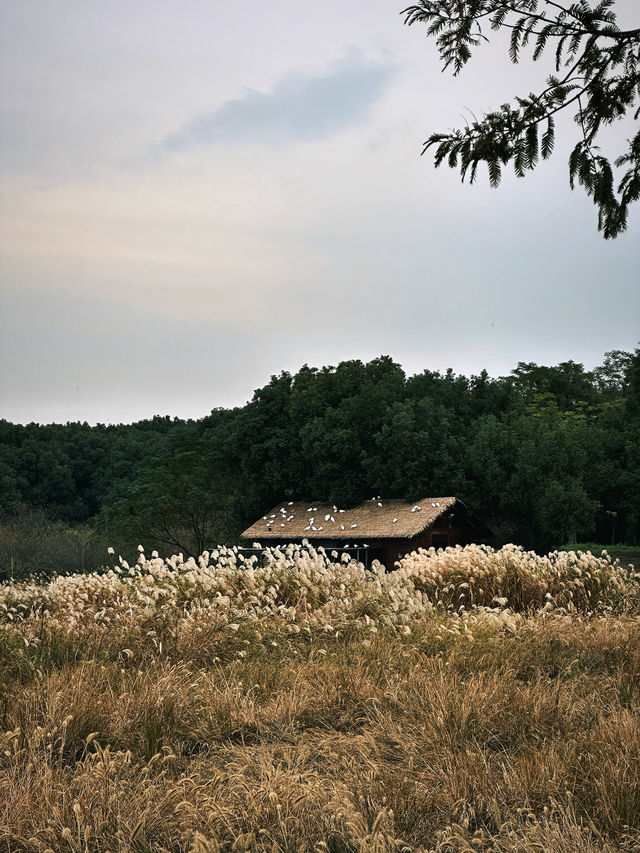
[(544, 456)]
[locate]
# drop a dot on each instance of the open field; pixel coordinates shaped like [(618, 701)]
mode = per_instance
[(470, 701)]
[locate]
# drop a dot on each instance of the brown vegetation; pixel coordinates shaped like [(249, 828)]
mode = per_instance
[(488, 740), (135, 715)]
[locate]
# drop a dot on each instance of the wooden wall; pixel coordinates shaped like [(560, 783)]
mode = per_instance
[(453, 528)]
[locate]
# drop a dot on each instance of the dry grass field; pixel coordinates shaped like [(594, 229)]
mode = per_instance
[(470, 701)]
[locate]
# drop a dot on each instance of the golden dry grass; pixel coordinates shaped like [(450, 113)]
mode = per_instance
[(454, 733)]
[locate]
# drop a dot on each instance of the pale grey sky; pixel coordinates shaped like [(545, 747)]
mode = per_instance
[(196, 196)]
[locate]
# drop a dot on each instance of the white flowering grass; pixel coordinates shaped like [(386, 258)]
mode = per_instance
[(521, 580), (302, 586)]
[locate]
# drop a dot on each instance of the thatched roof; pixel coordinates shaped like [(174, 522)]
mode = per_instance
[(374, 519)]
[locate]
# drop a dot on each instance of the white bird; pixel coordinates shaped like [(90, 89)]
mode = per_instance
[(394, 520), (379, 504), (342, 527), (290, 503), (327, 517), (282, 525), (353, 525)]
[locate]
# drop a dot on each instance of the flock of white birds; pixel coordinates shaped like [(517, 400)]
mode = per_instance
[(329, 517), (285, 516)]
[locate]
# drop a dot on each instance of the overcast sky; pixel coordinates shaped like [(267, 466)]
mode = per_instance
[(197, 195)]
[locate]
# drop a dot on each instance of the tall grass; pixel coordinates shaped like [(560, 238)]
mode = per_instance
[(311, 706)]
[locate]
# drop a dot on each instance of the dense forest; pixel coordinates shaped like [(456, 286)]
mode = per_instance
[(544, 456)]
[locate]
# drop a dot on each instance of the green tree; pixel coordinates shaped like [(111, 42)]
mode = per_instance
[(632, 447), (526, 476), (418, 451), (611, 376), (633, 387), (180, 501), (565, 385), (339, 440), (596, 72)]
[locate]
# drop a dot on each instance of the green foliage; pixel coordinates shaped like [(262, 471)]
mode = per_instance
[(545, 455), (180, 500), (596, 71)]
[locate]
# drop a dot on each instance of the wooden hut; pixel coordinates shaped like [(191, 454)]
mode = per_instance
[(376, 529)]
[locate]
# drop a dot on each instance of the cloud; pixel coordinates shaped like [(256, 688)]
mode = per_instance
[(301, 107)]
